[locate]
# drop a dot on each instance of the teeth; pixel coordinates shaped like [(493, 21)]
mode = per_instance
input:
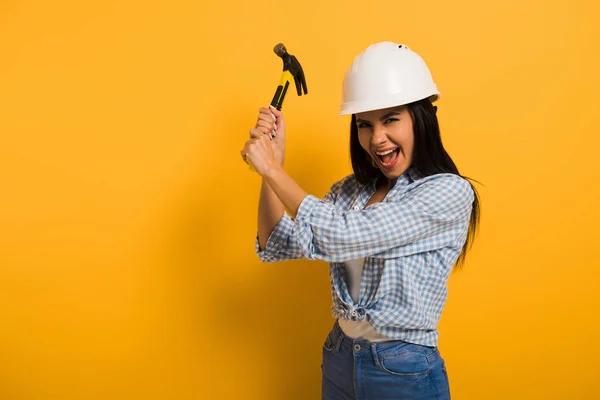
[(385, 152)]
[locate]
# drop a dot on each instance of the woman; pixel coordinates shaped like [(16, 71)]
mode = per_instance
[(392, 231)]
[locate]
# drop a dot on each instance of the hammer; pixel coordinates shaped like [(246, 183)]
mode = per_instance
[(292, 70)]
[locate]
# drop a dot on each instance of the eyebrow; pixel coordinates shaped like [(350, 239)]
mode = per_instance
[(386, 116)]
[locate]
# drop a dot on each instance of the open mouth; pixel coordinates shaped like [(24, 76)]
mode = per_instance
[(389, 158)]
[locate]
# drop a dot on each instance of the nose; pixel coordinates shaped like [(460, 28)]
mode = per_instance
[(379, 135)]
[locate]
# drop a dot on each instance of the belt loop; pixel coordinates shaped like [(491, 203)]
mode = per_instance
[(339, 343), (374, 354)]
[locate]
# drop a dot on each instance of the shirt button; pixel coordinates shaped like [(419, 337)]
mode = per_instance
[(357, 347), (357, 208)]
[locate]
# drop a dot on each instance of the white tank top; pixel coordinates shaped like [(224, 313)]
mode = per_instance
[(361, 330)]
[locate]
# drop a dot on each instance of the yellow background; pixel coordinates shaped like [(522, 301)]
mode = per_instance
[(127, 218)]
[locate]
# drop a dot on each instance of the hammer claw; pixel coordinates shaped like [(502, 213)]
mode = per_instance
[(303, 81), (298, 85)]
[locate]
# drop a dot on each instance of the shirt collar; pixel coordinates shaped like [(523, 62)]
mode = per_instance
[(414, 174), (409, 176)]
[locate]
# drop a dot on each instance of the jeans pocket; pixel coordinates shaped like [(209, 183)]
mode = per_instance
[(410, 363), (330, 341)]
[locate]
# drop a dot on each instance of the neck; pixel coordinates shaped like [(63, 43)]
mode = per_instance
[(391, 183), (385, 183)]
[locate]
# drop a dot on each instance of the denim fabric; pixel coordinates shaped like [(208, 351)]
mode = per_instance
[(361, 370)]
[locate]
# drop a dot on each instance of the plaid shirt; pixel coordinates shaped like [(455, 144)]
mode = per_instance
[(410, 242)]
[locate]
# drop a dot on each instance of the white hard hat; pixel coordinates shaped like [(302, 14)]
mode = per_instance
[(386, 75)]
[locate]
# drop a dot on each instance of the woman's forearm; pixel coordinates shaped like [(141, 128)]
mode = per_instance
[(285, 188)]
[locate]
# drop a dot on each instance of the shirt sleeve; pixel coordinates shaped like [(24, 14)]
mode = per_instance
[(283, 242), (432, 215)]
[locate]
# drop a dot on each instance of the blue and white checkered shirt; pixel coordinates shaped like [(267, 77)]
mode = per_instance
[(410, 242)]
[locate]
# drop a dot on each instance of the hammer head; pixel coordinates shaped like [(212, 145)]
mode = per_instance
[(291, 63)]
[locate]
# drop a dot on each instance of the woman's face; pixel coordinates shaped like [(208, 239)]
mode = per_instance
[(387, 136)]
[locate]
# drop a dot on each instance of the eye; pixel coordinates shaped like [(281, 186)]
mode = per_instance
[(363, 125), (390, 120)]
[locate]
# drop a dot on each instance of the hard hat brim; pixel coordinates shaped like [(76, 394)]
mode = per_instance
[(356, 107)]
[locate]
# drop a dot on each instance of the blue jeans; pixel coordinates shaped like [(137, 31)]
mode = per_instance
[(361, 370)]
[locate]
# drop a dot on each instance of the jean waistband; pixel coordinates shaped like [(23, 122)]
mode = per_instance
[(364, 348)]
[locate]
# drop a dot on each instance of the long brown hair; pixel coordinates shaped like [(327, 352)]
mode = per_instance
[(429, 158)]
